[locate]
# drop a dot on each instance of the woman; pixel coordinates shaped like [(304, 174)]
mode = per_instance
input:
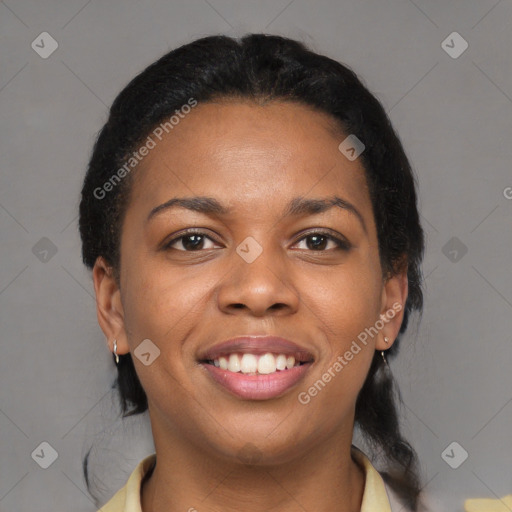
[(250, 219)]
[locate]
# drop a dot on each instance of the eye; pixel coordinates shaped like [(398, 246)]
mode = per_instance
[(191, 240), (320, 238), (194, 240)]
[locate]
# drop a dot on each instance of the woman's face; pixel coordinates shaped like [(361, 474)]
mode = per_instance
[(254, 269)]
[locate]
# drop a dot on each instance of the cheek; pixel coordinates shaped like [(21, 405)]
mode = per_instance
[(159, 303), (346, 356), (345, 301), (345, 306), (164, 307)]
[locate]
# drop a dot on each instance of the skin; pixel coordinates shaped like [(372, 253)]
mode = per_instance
[(253, 158)]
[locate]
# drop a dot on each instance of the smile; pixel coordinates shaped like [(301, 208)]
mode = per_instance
[(255, 364), (256, 376)]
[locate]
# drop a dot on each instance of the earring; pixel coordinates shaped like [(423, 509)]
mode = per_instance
[(115, 351), (386, 339), (384, 359)]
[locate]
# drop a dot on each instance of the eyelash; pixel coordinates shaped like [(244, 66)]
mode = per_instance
[(341, 244)]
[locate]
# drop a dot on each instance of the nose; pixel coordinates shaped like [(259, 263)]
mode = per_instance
[(262, 287)]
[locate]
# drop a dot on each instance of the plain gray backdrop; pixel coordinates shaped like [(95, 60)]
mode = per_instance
[(452, 107)]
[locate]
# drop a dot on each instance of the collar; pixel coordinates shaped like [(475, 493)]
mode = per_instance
[(127, 499), (489, 505)]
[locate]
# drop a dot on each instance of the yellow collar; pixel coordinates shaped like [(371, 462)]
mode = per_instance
[(127, 499), (489, 505)]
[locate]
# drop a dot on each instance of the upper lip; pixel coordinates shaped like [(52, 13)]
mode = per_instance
[(257, 345)]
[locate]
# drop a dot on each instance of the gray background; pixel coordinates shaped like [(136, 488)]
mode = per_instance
[(454, 116)]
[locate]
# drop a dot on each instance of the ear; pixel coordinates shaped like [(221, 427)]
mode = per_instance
[(108, 306), (394, 295)]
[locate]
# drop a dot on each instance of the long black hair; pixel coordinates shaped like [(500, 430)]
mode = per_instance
[(266, 67)]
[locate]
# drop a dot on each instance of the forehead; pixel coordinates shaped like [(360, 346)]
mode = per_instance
[(243, 152)]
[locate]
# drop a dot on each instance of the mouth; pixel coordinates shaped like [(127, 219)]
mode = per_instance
[(257, 364), (257, 368)]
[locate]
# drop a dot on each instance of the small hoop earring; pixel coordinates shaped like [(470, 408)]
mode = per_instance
[(384, 359), (115, 351)]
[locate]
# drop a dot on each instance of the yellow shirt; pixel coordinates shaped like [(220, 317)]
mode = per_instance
[(489, 505), (375, 496)]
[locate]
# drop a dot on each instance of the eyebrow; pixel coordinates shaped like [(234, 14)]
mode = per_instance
[(297, 206)]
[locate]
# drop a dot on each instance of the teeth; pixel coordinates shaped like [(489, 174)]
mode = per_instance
[(281, 362), (263, 364), (233, 363), (249, 364), (267, 364)]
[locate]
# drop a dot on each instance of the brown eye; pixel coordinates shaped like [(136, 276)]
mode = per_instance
[(189, 241), (319, 240), (194, 240)]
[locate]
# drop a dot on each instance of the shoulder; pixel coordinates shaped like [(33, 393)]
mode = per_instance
[(117, 503), (488, 504), (376, 493), (127, 499)]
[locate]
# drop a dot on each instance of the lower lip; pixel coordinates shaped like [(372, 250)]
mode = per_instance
[(258, 387)]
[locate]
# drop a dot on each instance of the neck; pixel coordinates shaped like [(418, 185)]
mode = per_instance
[(186, 479)]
